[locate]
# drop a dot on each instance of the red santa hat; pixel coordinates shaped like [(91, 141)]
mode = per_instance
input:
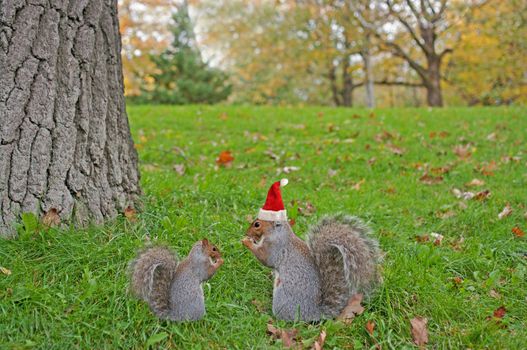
[(273, 209)]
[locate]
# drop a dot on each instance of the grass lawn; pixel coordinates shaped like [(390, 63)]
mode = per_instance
[(68, 288)]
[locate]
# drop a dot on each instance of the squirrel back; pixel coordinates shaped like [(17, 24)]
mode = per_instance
[(347, 260), (152, 273)]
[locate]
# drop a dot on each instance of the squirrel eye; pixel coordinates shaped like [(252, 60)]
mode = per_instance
[(257, 224), (214, 249)]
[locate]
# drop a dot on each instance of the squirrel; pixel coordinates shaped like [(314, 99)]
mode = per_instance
[(171, 288), (313, 279)]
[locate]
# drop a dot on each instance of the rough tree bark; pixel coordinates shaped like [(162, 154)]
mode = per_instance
[(65, 143)]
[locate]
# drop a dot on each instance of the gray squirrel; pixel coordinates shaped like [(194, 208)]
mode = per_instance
[(316, 279), (173, 289)]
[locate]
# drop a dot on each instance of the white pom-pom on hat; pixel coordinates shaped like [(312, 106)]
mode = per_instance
[(284, 182)]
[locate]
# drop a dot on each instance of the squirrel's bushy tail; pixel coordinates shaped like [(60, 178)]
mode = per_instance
[(347, 259), (151, 273)]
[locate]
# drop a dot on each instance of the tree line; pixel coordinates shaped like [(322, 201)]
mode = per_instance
[(341, 52)]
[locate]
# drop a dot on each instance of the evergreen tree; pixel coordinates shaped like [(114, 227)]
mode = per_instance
[(182, 76)]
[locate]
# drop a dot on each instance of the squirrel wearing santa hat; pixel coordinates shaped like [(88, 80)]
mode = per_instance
[(313, 279)]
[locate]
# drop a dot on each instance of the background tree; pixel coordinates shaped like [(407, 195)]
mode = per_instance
[(65, 145), (181, 76)]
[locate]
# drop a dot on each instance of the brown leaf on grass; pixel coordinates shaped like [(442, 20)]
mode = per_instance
[(419, 330), (292, 222), (488, 168), (437, 237), (518, 232), (357, 185), (223, 116), (130, 214), (319, 343), (482, 195), (352, 309), (475, 183), (441, 170), (494, 294), (51, 218), (457, 280), (370, 326), (507, 210), (179, 169), (445, 214), (491, 137), (499, 313), (395, 149), (288, 336), (457, 244), (5, 270), (385, 135), (430, 180), (463, 151), (306, 209), (422, 238), (225, 159), (271, 154), (372, 160)]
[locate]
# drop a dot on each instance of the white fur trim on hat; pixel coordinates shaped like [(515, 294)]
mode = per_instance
[(271, 215)]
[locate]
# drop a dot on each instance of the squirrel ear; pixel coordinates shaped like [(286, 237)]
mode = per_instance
[(205, 242)]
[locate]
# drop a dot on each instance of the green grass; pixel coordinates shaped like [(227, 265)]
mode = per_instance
[(68, 288)]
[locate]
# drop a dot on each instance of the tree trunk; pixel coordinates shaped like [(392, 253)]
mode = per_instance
[(434, 97), (333, 85), (366, 57), (347, 84), (65, 143)]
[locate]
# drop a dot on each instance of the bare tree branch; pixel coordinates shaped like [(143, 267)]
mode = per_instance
[(408, 27)]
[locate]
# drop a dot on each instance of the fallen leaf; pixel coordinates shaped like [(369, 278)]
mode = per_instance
[(372, 160), (385, 135), (370, 326), (494, 294), (482, 195), (463, 152), (271, 155), (179, 169), (518, 232), (488, 168), (332, 173), (491, 137), (457, 280), (441, 170), (130, 214), (225, 159), (292, 222), (438, 238), (500, 312), (51, 218), (289, 169), (5, 270), (319, 343), (457, 245), (288, 336), (430, 180), (223, 116), (422, 238), (419, 331), (357, 186), (446, 214), (464, 195), (475, 183), (505, 212), (306, 209), (352, 309), (395, 149)]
